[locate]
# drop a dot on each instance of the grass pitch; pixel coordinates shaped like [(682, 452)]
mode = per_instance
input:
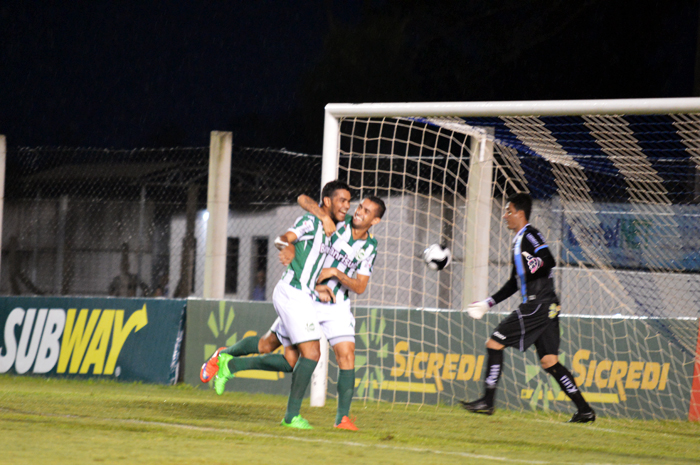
[(54, 421)]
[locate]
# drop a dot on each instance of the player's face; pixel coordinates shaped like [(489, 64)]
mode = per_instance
[(513, 217), (340, 204), (365, 214)]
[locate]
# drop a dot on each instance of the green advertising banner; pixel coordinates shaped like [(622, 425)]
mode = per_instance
[(626, 367), (212, 324), (126, 339)]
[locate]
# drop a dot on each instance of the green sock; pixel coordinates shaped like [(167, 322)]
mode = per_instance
[(346, 388), (247, 345), (267, 362), (301, 377)]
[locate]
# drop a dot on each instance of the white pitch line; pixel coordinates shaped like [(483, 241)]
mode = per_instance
[(607, 430), (300, 439)]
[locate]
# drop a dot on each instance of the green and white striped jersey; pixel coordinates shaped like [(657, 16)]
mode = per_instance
[(308, 259), (349, 256)]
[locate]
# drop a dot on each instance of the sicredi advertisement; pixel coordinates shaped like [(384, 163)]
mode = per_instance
[(626, 367)]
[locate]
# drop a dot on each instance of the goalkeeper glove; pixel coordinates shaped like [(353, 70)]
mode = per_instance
[(478, 309), (533, 263)]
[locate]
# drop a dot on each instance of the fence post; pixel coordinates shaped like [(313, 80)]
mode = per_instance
[(217, 207)]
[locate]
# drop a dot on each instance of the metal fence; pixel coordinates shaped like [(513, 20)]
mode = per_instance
[(86, 221)]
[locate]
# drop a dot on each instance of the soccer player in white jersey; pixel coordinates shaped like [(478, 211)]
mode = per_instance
[(352, 251), (302, 249), (336, 320)]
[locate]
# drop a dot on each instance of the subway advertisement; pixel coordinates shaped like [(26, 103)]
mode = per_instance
[(634, 368), (117, 338)]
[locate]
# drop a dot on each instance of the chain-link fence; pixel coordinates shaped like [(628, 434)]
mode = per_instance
[(84, 221)]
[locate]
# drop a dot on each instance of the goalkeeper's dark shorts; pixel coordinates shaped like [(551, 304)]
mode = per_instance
[(532, 323)]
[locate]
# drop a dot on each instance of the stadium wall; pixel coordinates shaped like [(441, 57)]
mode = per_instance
[(212, 324), (246, 226), (398, 360), (627, 367)]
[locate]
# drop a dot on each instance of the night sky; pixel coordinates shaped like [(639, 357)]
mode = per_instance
[(166, 73)]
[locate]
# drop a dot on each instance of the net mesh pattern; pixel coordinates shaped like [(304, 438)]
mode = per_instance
[(616, 198)]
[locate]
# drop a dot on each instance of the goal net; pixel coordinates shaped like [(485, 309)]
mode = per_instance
[(616, 188)]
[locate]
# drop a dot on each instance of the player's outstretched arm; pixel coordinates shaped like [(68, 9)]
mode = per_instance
[(308, 204), (357, 285)]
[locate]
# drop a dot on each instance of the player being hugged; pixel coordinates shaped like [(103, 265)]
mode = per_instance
[(303, 251), (535, 321), (347, 268), (346, 251)]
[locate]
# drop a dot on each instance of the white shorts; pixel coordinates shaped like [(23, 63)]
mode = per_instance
[(297, 320), (336, 321)]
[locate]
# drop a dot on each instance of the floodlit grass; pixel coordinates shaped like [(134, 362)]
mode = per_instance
[(52, 421)]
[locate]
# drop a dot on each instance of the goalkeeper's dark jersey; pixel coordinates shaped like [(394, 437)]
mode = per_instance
[(529, 245)]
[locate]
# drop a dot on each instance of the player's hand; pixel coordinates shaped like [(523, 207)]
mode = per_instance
[(286, 255), (325, 274), (533, 263), (280, 243), (328, 225), (325, 293), (478, 309)]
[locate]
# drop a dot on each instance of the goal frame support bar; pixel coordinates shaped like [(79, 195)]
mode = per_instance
[(476, 257), (329, 171)]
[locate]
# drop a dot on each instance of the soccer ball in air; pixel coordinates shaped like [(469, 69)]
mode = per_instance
[(437, 257)]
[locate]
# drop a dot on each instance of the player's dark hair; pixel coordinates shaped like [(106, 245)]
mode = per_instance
[(331, 187), (522, 202), (379, 203)]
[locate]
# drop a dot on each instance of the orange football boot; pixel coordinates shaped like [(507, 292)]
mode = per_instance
[(347, 423), (210, 367)]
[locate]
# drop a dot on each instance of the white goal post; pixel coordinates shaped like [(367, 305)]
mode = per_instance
[(580, 148)]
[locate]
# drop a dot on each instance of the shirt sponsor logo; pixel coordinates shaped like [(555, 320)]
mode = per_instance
[(499, 335), (337, 255)]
